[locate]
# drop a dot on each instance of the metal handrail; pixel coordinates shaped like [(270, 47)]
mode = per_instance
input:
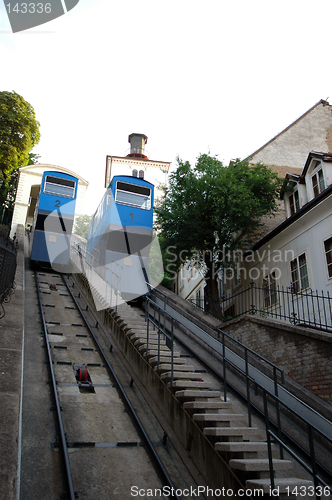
[(278, 402), (277, 438)]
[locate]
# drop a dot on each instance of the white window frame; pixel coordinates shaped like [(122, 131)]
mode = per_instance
[(328, 265), (300, 279), (270, 290), (315, 173), (296, 202)]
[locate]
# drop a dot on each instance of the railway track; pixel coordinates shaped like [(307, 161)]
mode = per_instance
[(187, 382), (105, 447)]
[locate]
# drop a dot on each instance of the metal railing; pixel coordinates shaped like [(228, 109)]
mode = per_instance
[(307, 308), (8, 254), (275, 412), (321, 487), (247, 354)]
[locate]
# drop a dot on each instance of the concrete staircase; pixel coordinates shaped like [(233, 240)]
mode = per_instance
[(238, 444), (245, 455)]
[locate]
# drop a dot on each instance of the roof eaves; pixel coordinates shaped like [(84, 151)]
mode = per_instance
[(290, 220)]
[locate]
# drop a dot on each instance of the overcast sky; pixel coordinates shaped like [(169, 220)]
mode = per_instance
[(220, 76)]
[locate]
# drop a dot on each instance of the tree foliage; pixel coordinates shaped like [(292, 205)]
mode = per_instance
[(8, 190), (82, 225), (19, 133), (210, 209)]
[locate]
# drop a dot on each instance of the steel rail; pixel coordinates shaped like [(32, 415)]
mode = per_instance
[(120, 387), (56, 398)]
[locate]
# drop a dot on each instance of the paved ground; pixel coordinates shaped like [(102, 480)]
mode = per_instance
[(11, 341)]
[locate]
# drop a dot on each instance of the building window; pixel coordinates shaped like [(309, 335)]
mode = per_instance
[(328, 253), (134, 173), (270, 290), (294, 202), (141, 174), (299, 274), (318, 183)]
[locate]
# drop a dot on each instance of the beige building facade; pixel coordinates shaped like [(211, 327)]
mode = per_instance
[(136, 163), (288, 150)]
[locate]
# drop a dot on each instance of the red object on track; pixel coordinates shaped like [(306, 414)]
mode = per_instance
[(82, 375)]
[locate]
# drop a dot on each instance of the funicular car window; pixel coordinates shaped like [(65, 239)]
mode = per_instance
[(59, 186), (133, 195)]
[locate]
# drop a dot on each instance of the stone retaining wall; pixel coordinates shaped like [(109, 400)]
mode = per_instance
[(305, 355)]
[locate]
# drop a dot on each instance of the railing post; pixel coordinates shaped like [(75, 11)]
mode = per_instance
[(252, 305), (147, 327), (268, 438), (224, 364), (172, 351), (277, 409), (313, 457), (248, 386), (158, 340)]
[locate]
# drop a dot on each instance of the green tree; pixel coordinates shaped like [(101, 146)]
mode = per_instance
[(82, 225), (19, 133), (210, 210), (8, 192), (33, 158)]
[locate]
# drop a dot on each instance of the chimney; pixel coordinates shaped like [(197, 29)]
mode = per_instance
[(137, 143)]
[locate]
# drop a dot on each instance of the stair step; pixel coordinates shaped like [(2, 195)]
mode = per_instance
[(181, 375), (136, 332), (280, 483), (163, 354), (142, 335), (187, 384), (163, 348), (166, 359), (198, 394), (258, 464), (152, 342), (165, 367), (216, 417), (241, 446), (229, 431), (207, 405), (132, 325)]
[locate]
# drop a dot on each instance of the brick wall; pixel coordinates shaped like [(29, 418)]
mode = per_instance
[(304, 355)]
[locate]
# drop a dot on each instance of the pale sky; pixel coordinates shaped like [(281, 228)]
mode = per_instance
[(223, 76)]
